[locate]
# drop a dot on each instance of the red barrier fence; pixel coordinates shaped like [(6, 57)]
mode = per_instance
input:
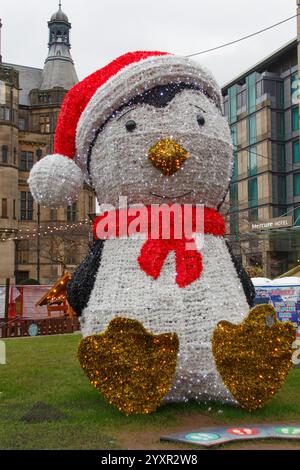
[(42, 327)]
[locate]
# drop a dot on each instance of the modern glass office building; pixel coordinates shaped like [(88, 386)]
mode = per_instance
[(263, 206)]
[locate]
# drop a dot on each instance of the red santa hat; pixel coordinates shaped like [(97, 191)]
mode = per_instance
[(57, 179)]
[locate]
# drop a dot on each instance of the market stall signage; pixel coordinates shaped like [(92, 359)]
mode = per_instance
[(285, 300)]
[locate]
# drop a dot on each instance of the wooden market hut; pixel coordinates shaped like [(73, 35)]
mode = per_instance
[(56, 299), (294, 272)]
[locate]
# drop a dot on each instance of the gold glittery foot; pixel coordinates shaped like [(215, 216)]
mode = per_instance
[(254, 358), (130, 366)]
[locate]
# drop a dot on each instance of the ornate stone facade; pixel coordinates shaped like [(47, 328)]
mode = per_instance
[(30, 101)]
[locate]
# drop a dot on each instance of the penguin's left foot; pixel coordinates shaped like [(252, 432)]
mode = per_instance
[(254, 357), (130, 366)]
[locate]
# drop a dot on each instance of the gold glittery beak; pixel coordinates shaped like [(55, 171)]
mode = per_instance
[(167, 156)]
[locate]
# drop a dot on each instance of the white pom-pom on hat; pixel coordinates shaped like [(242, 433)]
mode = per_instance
[(55, 181)]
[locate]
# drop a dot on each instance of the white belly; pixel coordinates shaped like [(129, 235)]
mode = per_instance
[(122, 289)]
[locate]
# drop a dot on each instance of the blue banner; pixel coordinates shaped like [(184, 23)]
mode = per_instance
[(285, 300)]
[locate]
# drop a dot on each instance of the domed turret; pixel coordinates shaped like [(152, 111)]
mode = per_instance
[(59, 70), (59, 15)]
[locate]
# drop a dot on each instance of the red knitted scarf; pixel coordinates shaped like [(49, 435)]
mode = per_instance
[(188, 260)]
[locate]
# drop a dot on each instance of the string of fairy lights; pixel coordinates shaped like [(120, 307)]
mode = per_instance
[(42, 230)]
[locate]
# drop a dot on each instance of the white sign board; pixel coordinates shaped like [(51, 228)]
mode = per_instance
[(2, 302)]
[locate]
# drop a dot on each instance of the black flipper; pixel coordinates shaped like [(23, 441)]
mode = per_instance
[(80, 286), (244, 277)]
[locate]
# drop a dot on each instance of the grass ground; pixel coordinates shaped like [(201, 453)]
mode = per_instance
[(45, 370)]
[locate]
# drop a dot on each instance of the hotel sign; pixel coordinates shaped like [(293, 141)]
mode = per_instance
[(271, 224)]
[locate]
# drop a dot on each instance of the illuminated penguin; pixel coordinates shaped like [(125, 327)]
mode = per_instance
[(149, 127)]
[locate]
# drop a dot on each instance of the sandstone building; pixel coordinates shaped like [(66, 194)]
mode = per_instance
[(36, 242)]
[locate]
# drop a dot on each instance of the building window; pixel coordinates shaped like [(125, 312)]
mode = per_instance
[(234, 223), (294, 88), (297, 184), (241, 99), (5, 114), (22, 124), (253, 214), (252, 162), (26, 201), (253, 199), (295, 118), (235, 170), (281, 126), (39, 154), (233, 131), (270, 87), (23, 250), (71, 212), (26, 161), (4, 213), (91, 204), (278, 125), (251, 93), (297, 216), (252, 130), (21, 276), (44, 98), (280, 157), (279, 87), (226, 106), (253, 192), (259, 89), (281, 190), (53, 215), (296, 151), (44, 124), (15, 156), (232, 104), (71, 259), (14, 209), (234, 197), (4, 154)]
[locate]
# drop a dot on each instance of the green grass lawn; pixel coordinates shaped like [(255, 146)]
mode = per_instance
[(45, 369)]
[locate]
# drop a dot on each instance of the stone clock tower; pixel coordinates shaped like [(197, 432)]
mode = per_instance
[(30, 102)]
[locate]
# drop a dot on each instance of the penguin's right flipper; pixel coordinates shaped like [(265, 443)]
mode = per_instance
[(80, 286)]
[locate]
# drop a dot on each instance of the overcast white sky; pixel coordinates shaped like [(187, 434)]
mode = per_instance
[(104, 29)]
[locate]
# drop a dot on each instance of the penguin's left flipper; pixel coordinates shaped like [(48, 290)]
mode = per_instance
[(244, 277), (131, 367)]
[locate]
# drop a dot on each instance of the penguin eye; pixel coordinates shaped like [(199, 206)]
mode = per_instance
[(200, 119), (130, 125)]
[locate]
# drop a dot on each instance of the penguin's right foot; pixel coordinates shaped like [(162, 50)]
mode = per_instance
[(130, 366)]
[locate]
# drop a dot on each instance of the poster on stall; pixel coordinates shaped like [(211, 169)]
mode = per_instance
[(285, 300)]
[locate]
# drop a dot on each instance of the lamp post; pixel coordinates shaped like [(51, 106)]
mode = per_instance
[(38, 264), (0, 41)]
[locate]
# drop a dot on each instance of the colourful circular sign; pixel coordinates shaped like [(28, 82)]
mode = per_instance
[(288, 430), (202, 436), (243, 431)]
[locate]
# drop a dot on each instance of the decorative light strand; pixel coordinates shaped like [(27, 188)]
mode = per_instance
[(42, 232)]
